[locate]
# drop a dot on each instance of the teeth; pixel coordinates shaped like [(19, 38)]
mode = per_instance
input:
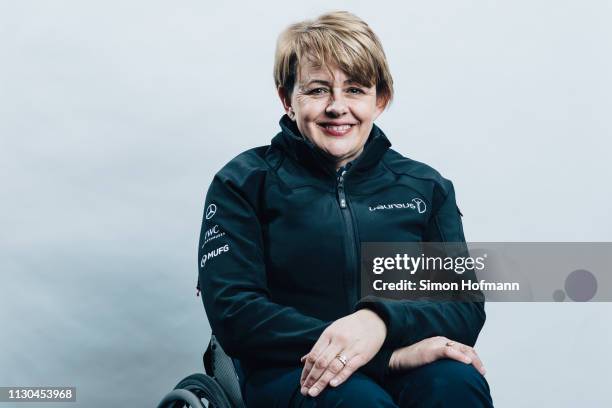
[(338, 128)]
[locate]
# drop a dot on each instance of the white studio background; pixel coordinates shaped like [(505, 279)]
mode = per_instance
[(115, 115)]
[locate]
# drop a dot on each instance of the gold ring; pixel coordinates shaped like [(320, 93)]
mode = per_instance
[(342, 359)]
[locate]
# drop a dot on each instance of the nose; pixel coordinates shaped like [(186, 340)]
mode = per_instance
[(337, 105)]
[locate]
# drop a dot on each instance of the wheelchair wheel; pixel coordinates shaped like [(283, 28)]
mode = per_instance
[(204, 386)]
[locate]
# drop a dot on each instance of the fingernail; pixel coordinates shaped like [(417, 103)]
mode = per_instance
[(313, 391), (334, 382), (304, 391)]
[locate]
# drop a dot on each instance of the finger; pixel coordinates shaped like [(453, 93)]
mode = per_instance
[(306, 369), (310, 358), (321, 364), (455, 354), (476, 361), (308, 363), (354, 362), (334, 367)]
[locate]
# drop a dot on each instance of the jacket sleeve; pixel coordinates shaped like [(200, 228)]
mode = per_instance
[(409, 321), (232, 278)]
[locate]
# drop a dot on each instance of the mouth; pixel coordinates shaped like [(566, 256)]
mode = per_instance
[(333, 129)]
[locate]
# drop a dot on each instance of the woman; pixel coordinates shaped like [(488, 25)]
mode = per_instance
[(280, 242)]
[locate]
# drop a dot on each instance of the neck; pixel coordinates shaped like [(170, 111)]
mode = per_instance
[(344, 160)]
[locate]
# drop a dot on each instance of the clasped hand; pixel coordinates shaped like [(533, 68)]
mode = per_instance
[(358, 337)]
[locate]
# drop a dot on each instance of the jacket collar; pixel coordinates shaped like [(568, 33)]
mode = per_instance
[(303, 151)]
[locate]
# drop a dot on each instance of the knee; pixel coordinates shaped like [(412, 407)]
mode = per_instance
[(358, 391), (453, 375), (451, 381)]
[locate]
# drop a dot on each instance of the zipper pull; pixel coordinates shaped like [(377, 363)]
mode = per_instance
[(341, 196)]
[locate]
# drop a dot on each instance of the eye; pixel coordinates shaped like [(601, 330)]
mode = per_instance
[(317, 91), (355, 90)]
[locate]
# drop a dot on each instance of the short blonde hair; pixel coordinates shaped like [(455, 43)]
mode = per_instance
[(337, 38)]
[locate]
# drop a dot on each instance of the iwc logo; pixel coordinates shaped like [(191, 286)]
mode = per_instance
[(415, 204), (212, 233)]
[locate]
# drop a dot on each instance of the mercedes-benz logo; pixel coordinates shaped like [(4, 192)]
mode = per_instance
[(210, 211)]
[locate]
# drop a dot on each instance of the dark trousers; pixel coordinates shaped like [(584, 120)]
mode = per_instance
[(443, 383)]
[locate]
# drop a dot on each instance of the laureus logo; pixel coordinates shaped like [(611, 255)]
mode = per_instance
[(415, 204)]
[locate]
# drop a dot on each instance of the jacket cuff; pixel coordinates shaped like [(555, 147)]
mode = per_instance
[(378, 367), (385, 311)]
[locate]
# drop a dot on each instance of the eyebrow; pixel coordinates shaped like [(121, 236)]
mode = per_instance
[(323, 82)]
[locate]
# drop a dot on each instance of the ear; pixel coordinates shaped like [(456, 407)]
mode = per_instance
[(381, 104), (284, 99)]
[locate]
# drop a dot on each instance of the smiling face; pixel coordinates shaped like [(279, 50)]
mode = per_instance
[(332, 111)]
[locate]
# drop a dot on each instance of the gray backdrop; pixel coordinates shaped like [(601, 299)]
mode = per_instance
[(114, 116)]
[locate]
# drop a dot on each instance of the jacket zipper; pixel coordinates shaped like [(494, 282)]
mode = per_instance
[(351, 245)]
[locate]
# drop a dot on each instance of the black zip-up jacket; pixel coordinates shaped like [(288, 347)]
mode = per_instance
[(280, 246)]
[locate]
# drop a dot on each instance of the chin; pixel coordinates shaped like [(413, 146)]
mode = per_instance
[(339, 154), (335, 147)]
